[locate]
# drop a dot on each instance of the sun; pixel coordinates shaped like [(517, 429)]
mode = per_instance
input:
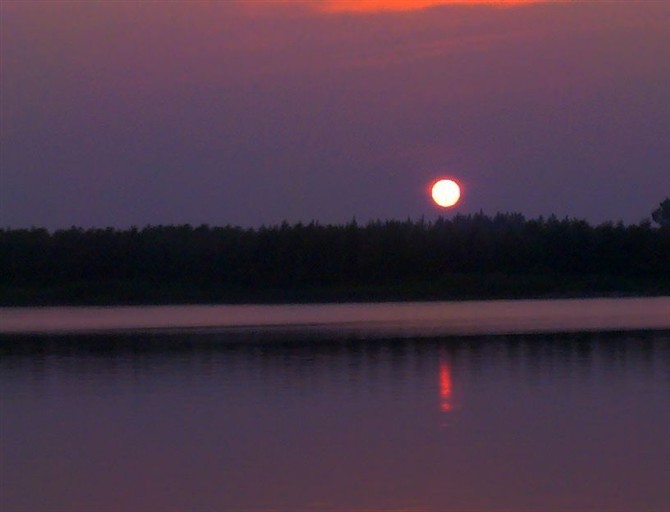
[(445, 193)]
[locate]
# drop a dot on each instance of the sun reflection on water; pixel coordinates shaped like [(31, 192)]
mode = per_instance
[(445, 383)]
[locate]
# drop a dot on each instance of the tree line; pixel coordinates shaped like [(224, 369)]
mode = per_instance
[(464, 256)]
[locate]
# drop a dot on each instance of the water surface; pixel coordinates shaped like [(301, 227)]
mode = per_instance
[(235, 421), (399, 318)]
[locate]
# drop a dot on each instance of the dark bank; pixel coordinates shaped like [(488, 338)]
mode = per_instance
[(465, 257)]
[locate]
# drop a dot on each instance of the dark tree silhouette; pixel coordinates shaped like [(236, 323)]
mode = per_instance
[(467, 256), (661, 215)]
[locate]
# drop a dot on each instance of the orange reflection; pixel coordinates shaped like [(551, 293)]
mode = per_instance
[(363, 6), (445, 386)]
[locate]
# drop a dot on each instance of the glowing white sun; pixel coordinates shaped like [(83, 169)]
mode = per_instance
[(445, 193)]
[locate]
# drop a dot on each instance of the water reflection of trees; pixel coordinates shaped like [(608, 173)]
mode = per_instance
[(307, 359)]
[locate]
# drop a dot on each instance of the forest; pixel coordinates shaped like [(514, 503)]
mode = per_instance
[(462, 257)]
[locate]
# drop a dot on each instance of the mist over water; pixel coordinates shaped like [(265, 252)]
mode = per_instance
[(364, 319), (246, 422)]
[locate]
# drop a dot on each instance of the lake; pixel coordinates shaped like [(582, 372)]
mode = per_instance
[(334, 414), (368, 319)]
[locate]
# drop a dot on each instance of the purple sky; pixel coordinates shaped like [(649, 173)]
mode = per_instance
[(250, 113)]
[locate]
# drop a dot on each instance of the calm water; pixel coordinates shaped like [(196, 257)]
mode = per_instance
[(368, 319), (331, 421), (362, 408)]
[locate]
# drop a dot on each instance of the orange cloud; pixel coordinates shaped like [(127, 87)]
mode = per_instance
[(365, 6), (378, 6)]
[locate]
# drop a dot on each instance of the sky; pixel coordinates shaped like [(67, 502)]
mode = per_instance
[(250, 113)]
